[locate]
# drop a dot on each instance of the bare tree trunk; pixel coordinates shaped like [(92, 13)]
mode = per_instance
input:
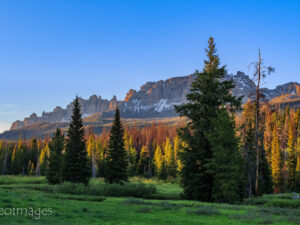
[(257, 123)]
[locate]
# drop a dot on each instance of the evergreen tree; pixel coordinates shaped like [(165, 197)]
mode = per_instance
[(2, 158), (208, 93), (144, 164), (117, 162), (226, 162), (18, 160), (265, 175), (54, 171), (292, 160), (101, 152), (248, 150), (76, 166), (33, 153), (30, 170)]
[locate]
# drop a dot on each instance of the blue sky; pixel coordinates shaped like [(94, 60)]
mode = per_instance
[(52, 50)]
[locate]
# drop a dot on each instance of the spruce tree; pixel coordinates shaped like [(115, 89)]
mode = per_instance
[(54, 170), (33, 153), (225, 165), (144, 164), (2, 158), (265, 175), (117, 162), (76, 165), (248, 150), (208, 93)]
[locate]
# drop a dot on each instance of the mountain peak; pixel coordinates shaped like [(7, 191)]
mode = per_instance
[(153, 100)]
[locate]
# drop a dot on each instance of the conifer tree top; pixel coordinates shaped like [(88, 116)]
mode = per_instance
[(212, 62)]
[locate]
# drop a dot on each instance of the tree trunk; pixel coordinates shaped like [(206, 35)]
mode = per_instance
[(257, 124)]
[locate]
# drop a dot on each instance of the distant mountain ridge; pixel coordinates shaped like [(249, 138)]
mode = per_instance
[(153, 100)]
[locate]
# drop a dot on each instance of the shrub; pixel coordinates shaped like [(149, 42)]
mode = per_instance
[(284, 203), (164, 205), (205, 210), (7, 179), (79, 198), (115, 190), (274, 200), (255, 201)]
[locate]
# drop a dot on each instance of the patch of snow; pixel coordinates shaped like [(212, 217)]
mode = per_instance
[(85, 115), (162, 105)]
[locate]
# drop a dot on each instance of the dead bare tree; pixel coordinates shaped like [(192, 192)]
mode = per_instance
[(260, 72)]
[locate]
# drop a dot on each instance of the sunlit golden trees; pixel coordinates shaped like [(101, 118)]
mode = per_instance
[(92, 154), (159, 163), (298, 161), (292, 160), (170, 158), (276, 163), (131, 154), (144, 164), (43, 160)]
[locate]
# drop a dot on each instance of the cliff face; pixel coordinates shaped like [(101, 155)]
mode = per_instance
[(153, 100)]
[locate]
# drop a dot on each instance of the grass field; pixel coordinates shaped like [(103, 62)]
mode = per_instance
[(46, 204)]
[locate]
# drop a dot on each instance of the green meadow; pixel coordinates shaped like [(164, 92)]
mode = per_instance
[(154, 202)]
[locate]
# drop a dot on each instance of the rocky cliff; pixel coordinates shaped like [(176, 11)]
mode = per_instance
[(153, 100)]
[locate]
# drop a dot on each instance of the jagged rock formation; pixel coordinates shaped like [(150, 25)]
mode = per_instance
[(153, 100)]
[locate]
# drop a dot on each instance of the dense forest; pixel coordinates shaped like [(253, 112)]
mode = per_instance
[(153, 150), (223, 152)]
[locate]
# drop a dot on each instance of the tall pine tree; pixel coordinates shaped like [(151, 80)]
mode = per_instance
[(56, 146), (76, 164), (292, 160), (144, 164), (226, 162), (117, 162), (208, 93)]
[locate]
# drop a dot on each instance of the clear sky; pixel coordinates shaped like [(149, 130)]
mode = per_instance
[(52, 50)]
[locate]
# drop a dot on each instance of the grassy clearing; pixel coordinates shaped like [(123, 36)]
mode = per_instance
[(82, 208)]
